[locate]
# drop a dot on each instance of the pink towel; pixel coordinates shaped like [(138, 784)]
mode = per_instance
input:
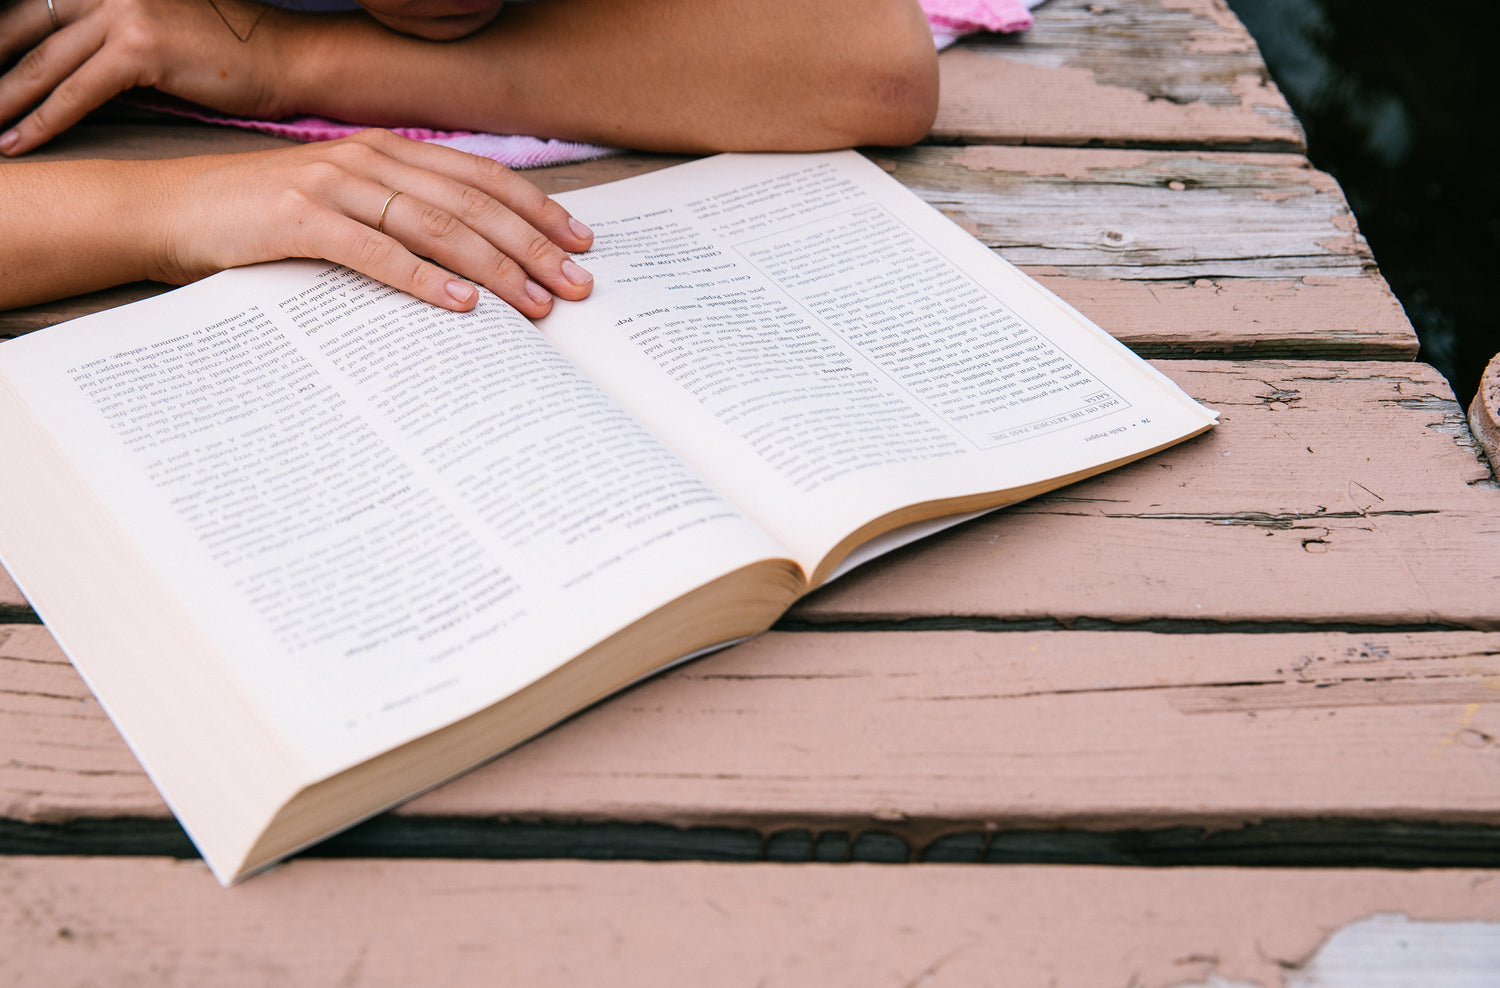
[(949, 20), (952, 19)]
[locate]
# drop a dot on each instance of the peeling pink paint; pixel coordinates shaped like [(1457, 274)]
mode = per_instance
[(1214, 10), (1076, 164), (1282, 195), (1216, 43), (1359, 314), (1256, 91), (1352, 245), (1086, 164), (993, 98), (151, 921)]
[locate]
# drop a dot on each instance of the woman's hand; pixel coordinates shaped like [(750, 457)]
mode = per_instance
[(378, 203), (221, 53)]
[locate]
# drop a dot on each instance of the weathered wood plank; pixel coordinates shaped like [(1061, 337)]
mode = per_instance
[(1176, 251), (961, 731), (1143, 215), (1328, 493), (1312, 317), (71, 921), (1142, 73), (918, 734), (1342, 493)]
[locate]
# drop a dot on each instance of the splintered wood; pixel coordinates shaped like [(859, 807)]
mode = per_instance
[(1155, 73)]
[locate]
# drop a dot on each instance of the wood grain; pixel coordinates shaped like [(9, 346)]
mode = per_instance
[(1329, 492), (1123, 74), (919, 734), (127, 921), (1143, 215), (1176, 251), (922, 733)]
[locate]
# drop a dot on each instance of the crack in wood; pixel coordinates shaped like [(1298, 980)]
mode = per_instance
[(1280, 521), (1275, 694), (1161, 626)]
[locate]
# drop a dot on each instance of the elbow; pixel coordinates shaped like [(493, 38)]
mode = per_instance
[(904, 102), (889, 85)]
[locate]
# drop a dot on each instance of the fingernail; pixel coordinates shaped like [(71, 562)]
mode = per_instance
[(579, 230), (9, 140), (538, 294), (574, 273), (460, 291)]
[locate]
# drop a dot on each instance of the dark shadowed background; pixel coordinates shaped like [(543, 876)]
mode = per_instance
[(1398, 109)]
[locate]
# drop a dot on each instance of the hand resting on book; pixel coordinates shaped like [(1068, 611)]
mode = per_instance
[(376, 202), (660, 75)]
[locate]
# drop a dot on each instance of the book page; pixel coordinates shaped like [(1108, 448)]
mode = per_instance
[(387, 515), (825, 346)]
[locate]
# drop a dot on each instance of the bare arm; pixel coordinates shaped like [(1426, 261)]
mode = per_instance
[(679, 75), (669, 75), (74, 226)]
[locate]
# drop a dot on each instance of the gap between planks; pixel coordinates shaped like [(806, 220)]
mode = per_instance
[(1282, 843)]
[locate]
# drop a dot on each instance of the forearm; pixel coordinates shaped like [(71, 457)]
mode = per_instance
[(678, 75), (73, 227), (428, 220)]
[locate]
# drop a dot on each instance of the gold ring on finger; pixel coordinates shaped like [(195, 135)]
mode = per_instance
[(52, 13), (380, 224)]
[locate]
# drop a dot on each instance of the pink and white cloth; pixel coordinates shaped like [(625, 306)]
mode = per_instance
[(949, 20)]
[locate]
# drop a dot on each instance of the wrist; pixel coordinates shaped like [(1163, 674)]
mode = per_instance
[(170, 216), (340, 66)]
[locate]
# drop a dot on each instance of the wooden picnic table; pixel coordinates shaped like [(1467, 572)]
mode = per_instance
[(1227, 713)]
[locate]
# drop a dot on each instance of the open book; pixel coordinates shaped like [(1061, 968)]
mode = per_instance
[(317, 546)]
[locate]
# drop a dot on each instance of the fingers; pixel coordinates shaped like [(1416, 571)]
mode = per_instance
[(500, 183), (478, 234), (497, 251), (23, 25), (481, 238), (421, 230), (347, 241), (353, 203), (65, 76)]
